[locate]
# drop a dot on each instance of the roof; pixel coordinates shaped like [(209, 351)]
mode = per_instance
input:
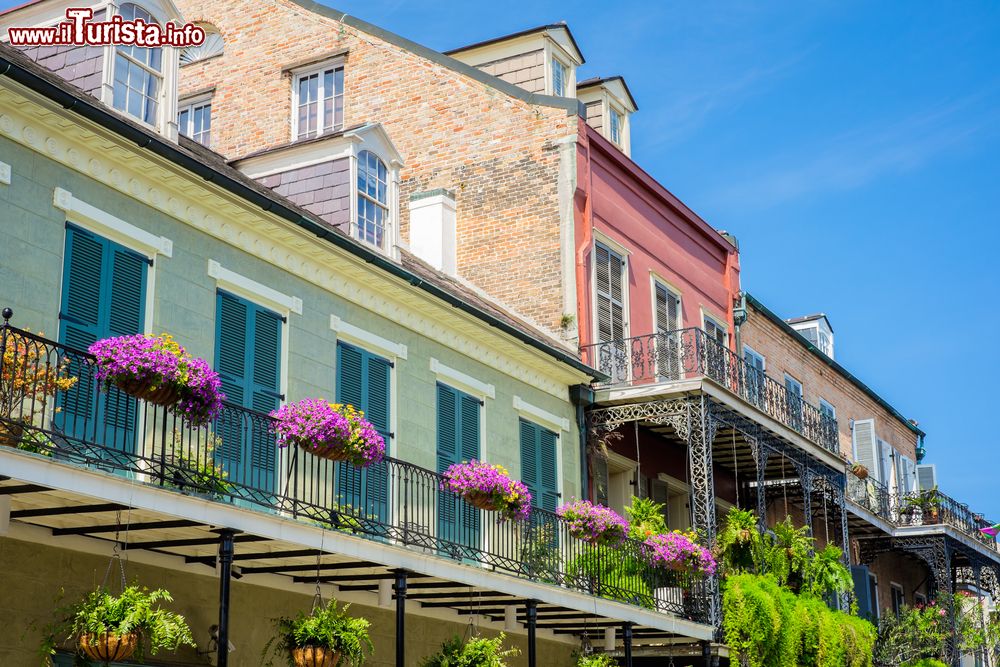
[(601, 80), (522, 33), (211, 166), (787, 328), (811, 318)]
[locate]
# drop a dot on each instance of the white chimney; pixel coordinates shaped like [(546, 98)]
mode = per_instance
[(432, 228)]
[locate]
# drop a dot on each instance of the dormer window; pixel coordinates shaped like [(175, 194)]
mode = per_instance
[(560, 74), (318, 101), (194, 120), (373, 198), (138, 73), (615, 125)]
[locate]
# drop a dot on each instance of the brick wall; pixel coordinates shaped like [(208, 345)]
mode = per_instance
[(784, 354), (496, 152)]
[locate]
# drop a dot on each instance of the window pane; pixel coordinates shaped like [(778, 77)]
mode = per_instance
[(182, 122)]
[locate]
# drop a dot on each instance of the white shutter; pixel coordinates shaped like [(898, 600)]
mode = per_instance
[(864, 446), (907, 476), (926, 476), (900, 469), (885, 463)]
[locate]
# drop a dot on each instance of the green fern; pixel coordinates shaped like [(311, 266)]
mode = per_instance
[(476, 652), (325, 626)]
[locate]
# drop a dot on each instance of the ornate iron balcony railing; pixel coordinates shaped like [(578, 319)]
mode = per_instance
[(690, 353), (917, 508), (235, 460)]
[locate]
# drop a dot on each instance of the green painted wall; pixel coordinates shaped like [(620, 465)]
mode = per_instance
[(31, 248), (34, 576)]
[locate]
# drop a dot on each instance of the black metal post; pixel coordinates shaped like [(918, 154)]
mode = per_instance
[(400, 618), (706, 653), (531, 614), (226, 551), (627, 640)]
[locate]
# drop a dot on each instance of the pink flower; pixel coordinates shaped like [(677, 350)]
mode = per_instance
[(509, 497)]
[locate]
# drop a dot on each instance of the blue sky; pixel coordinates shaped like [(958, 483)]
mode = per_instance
[(852, 147)]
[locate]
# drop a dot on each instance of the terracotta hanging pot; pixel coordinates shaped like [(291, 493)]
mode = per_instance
[(164, 394), (479, 500), (315, 656), (330, 451), (108, 647)]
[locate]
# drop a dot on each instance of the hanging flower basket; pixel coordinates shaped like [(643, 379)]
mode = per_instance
[(108, 647), (859, 470), (488, 487), (156, 369), (315, 656), (592, 523), (679, 552), (329, 430)]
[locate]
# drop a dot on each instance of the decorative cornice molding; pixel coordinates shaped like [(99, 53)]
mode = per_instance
[(39, 124)]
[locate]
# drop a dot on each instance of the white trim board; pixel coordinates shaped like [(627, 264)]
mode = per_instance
[(104, 224), (460, 380), (540, 416), (4, 173), (366, 339), (251, 289)]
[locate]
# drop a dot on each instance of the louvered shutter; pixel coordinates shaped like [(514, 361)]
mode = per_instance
[(539, 466), (104, 294), (231, 363), (926, 476), (447, 453), (350, 390), (80, 325), (125, 315), (865, 447), (377, 405), (906, 470), (266, 393), (530, 473), (668, 344), (603, 291), (469, 449), (885, 462)]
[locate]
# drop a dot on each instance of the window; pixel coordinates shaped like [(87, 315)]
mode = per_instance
[(919, 599), (138, 75), (539, 467), (248, 360), (754, 359), (873, 597), (793, 389), (615, 125), (363, 380), (318, 102), (827, 410), (211, 47), (373, 198), (667, 315), (756, 377), (458, 419), (897, 598), (195, 121), (103, 295), (825, 343), (559, 78), (610, 275)]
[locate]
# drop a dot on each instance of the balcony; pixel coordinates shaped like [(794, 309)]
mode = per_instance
[(688, 354), (393, 503), (918, 508)]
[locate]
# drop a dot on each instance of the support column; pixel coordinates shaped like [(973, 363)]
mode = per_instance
[(400, 587), (627, 640), (983, 652), (706, 654), (845, 540), (531, 617), (700, 434), (761, 460), (226, 551), (805, 480)]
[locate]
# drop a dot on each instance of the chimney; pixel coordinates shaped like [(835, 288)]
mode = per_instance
[(432, 228)]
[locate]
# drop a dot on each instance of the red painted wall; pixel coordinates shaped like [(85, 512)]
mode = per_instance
[(663, 236)]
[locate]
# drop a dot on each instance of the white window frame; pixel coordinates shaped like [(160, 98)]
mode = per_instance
[(390, 206), (893, 587), (163, 93), (553, 61), (370, 341), (623, 252), (614, 111), (791, 377), (299, 74), (657, 281), (190, 105), (756, 354), (462, 381), (707, 317), (823, 403), (541, 416)]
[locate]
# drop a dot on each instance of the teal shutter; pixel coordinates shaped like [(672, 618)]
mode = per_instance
[(539, 467), (458, 427), (103, 295), (248, 360), (363, 380)]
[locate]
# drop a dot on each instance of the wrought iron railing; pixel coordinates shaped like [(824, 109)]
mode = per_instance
[(917, 508), (235, 460), (690, 353)]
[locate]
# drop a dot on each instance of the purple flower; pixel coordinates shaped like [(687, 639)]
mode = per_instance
[(160, 361), (312, 423), (678, 551), (593, 523), (492, 483)]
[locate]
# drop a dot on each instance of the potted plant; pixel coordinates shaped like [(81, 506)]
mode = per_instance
[(157, 370), (329, 430), (28, 378), (680, 552), (859, 470), (476, 652), (592, 523), (595, 660), (930, 504), (488, 487), (325, 637), (112, 628), (192, 466)]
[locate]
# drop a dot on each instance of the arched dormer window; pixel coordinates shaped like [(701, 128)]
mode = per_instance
[(138, 78), (213, 46), (373, 198)]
